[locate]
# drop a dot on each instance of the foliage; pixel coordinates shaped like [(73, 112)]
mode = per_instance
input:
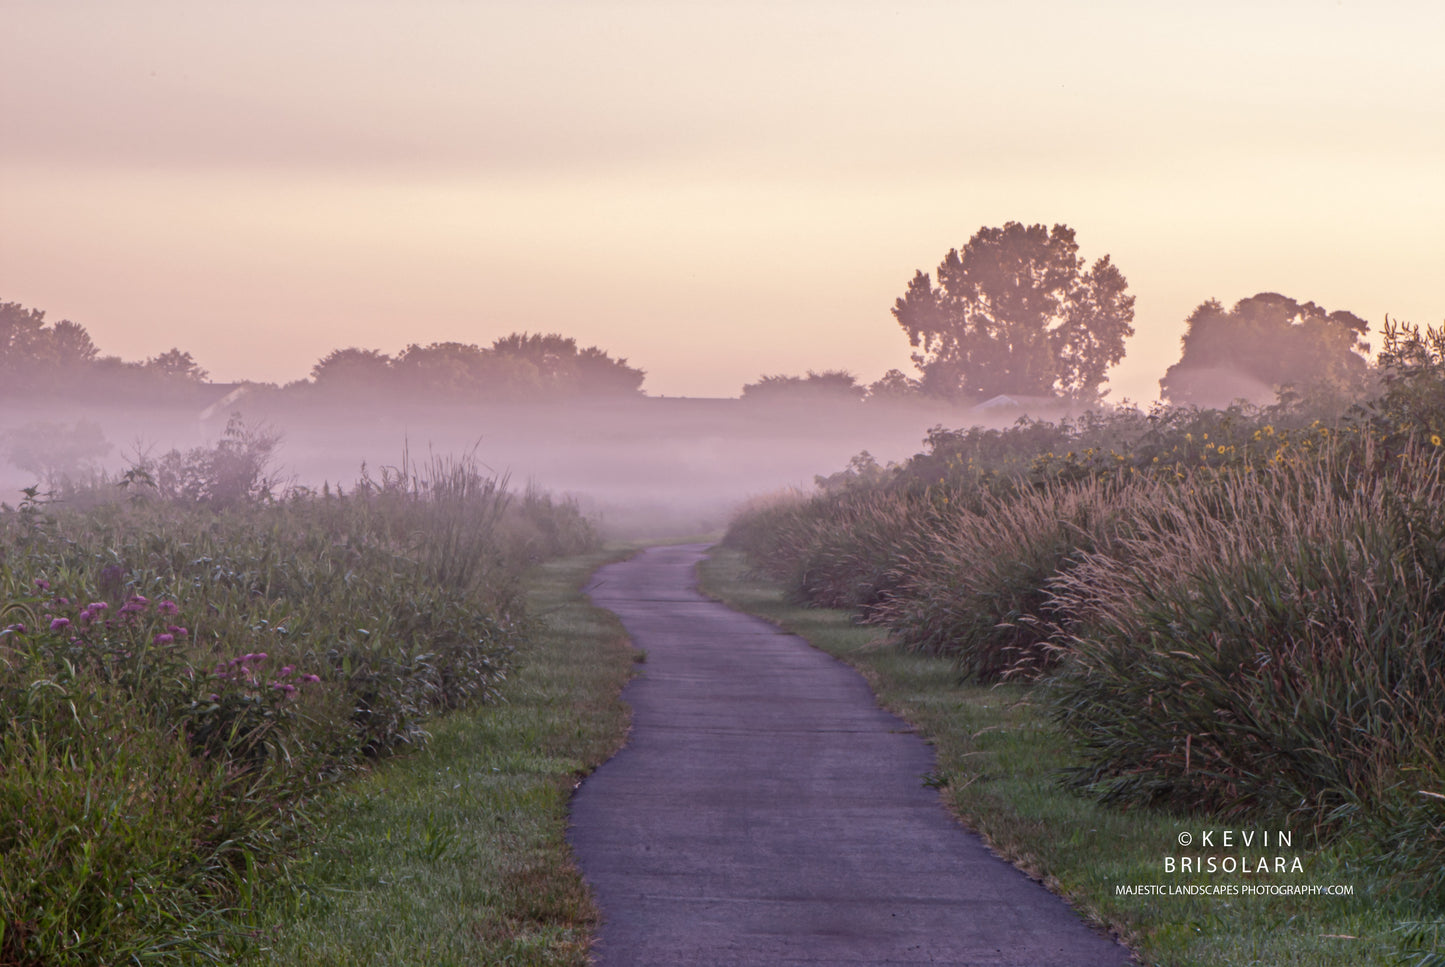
[(1017, 312), (830, 384), (1265, 343), (203, 667), (520, 366)]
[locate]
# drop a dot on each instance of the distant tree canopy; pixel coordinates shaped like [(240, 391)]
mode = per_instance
[(519, 366), (27, 342), (830, 384), (38, 358), (1016, 312), (1265, 343)]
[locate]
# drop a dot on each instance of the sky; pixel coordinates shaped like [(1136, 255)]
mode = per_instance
[(712, 190)]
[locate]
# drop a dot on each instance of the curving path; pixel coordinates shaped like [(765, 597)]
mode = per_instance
[(766, 812)]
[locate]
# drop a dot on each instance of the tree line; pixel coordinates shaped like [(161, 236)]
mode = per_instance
[(1018, 312), (38, 358)]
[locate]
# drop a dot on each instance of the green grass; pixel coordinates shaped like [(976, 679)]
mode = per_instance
[(456, 854), (999, 758)]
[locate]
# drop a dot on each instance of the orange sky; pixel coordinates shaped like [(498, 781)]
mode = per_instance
[(713, 191)]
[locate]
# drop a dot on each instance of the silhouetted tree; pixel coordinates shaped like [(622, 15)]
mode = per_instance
[(1016, 312), (352, 369), (444, 369), (21, 331), (31, 348), (1264, 343), (176, 365), (564, 369), (832, 383), (894, 385)]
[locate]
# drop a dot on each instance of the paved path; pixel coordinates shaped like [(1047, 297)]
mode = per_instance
[(766, 812)]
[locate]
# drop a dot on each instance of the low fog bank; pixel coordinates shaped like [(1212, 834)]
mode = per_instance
[(646, 467)]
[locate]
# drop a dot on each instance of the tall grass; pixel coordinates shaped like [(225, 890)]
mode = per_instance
[(1271, 646), (180, 676), (975, 585), (1238, 613)]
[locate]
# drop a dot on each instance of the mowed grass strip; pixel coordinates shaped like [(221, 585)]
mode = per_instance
[(998, 756), (456, 854)]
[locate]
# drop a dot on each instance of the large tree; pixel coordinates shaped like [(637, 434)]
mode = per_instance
[(1016, 311), (1266, 342)]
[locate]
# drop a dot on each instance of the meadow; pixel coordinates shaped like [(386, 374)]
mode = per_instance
[(191, 660), (1228, 617)]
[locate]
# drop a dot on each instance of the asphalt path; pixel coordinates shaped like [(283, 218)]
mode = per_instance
[(766, 811)]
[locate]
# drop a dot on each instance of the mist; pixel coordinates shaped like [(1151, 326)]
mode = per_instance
[(644, 467)]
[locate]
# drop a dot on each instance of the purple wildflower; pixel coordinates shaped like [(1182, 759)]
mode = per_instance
[(284, 687), (168, 607), (59, 624), (165, 639), (86, 617), (286, 670), (177, 630), (42, 584), (96, 606), (314, 679)]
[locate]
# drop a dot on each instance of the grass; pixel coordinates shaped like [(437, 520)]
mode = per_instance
[(999, 761), (456, 854)]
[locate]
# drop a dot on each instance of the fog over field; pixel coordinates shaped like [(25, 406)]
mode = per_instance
[(646, 466)]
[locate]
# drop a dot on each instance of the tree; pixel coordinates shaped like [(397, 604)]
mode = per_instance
[(565, 370), (352, 369), (1265, 343), (28, 343), (1016, 312), (894, 385), (443, 369), (834, 384), (176, 365)]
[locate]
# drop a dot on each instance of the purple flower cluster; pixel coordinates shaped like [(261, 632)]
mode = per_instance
[(245, 668)]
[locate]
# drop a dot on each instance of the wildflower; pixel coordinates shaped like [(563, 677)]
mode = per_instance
[(59, 624), (1435, 439), (177, 630), (287, 670), (168, 607), (97, 606), (284, 687), (215, 697), (165, 639), (86, 616), (42, 584), (313, 679)]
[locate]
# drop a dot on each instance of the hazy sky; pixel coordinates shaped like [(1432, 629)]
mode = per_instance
[(712, 190)]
